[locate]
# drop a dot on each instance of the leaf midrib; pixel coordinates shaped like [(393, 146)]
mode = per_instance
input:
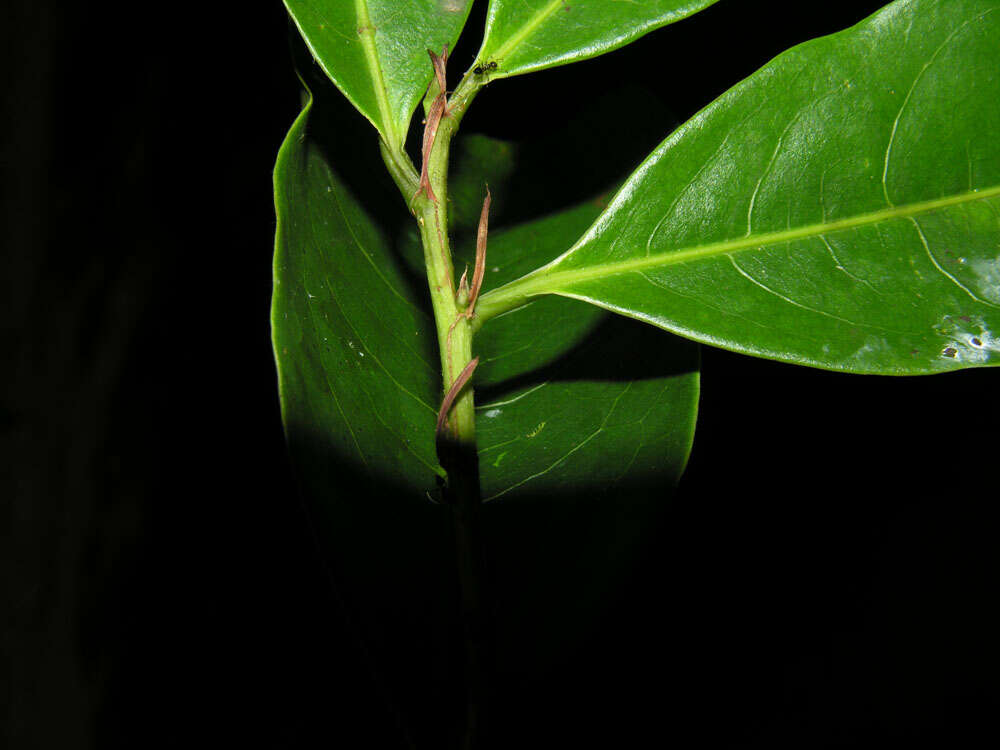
[(526, 30), (546, 279), (375, 69)]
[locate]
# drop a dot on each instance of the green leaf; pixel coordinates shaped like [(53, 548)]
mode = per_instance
[(840, 208), (355, 350), (526, 35), (565, 401), (585, 423), (476, 160), (376, 51), (359, 381)]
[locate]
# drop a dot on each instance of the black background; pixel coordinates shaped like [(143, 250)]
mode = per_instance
[(825, 577)]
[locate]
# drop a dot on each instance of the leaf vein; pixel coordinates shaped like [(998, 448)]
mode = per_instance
[(549, 279), (570, 452), (794, 303), (934, 261), (333, 297), (909, 94)]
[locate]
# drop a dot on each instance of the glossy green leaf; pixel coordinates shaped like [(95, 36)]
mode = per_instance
[(840, 208), (355, 352), (565, 399), (584, 424), (376, 51), (526, 35), (359, 384)]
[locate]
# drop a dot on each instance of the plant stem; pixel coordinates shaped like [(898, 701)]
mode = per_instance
[(457, 449), (401, 169), (465, 504)]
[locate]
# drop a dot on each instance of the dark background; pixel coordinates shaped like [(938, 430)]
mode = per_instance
[(826, 576)]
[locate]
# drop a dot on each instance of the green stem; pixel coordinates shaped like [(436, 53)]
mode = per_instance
[(457, 451), (453, 329), (401, 169)]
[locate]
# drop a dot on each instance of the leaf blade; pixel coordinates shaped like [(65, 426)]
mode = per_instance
[(324, 328), (567, 372), (528, 35), (375, 51), (790, 226)]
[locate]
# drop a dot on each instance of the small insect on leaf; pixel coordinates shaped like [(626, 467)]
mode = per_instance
[(487, 67)]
